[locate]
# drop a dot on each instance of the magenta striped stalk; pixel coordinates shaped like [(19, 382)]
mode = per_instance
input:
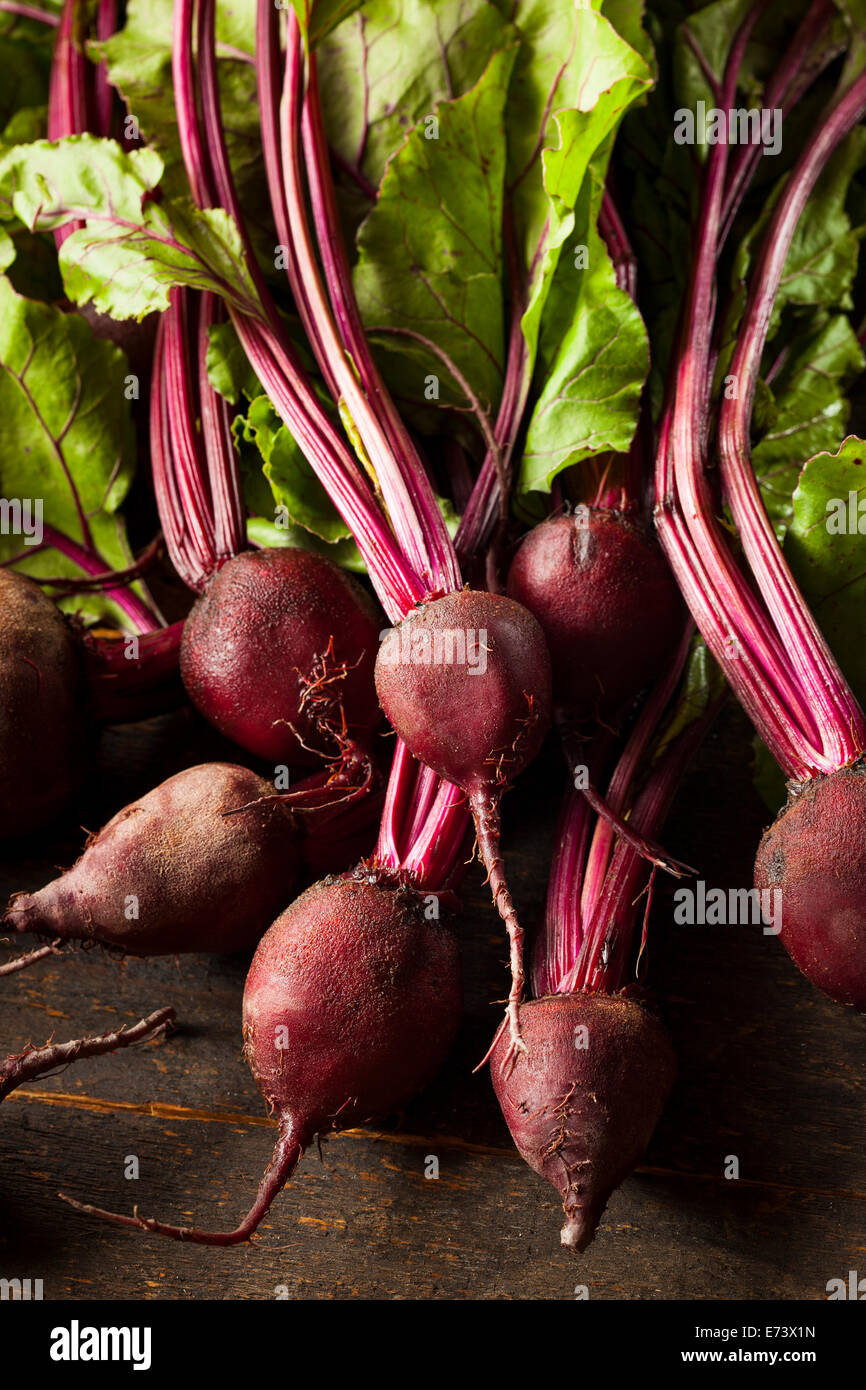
[(767, 642)]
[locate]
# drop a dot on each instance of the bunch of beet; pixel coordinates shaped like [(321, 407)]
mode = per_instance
[(353, 995)]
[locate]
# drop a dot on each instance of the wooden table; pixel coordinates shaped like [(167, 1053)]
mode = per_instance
[(770, 1071)]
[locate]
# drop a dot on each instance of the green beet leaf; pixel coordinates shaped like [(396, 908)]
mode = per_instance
[(430, 253), (65, 437), (133, 249), (825, 546)]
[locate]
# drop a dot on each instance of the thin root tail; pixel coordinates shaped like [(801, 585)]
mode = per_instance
[(287, 1153)]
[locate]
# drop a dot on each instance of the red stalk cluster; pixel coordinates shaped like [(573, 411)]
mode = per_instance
[(753, 619)]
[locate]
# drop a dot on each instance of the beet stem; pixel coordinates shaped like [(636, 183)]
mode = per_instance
[(808, 53), (619, 788), (258, 323), (840, 720), (436, 547), (646, 848), (784, 675), (288, 1151)]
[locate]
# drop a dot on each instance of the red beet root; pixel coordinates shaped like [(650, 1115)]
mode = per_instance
[(351, 1004), (277, 643), (369, 992), (609, 606), (173, 873), (465, 682), (814, 857), (582, 1106), (41, 726)]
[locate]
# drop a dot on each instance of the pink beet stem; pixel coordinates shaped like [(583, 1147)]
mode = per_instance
[(729, 615), (103, 92), (259, 326), (436, 547), (610, 926), (808, 53), (30, 12), (626, 770), (139, 613), (840, 720), (557, 945), (403, 483), (219, 451), (479, 517), (67, 91)]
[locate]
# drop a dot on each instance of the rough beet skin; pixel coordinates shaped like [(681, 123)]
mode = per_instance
[(172, 872), (351, 1004), (581, 1107), (278, 637), (41, 700), (602, 591), (369, 993), (815, 856), (476, 721)]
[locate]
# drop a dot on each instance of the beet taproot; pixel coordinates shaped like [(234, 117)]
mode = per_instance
[(583, 1101), (42, 727), (352, 1002), (173, 872), (277, 649), (814, 858), (607, 602)]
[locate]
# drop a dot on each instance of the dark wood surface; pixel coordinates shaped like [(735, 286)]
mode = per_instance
[(770, 1071)]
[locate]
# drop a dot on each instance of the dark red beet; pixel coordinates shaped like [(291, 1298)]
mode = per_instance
[(814, 855), (465, 682), (479, 720), (351, 1004), (581, 1107), (41, 724), (369, 991), (198, 879), (602, 591), (279, 637)]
